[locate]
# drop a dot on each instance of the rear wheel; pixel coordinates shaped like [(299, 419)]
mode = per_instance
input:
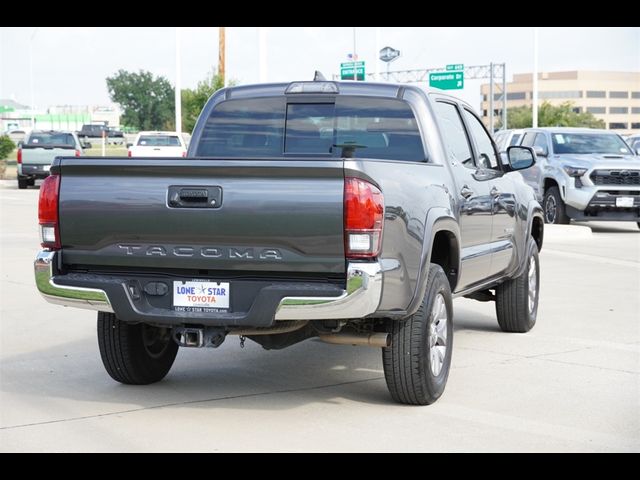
[(554, 208), (22, 183), (638, 223), (416, 365), (135, 354), (517, 298)]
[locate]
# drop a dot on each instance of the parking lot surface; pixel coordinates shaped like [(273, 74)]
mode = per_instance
[(571, 384)]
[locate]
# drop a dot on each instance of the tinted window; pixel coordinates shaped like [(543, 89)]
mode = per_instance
[(515, 139), (159, 141), (244, 128), (584, 143), (377, 128), (51, 138), (487, 157), (528, 139), (596, 93), (309, 128), (597, 109), (455, 138), (618, 94), (618, 110), (541, 141)]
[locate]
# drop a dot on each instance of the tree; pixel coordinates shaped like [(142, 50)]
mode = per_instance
[(549, 115), (148, 103), (193, 100)]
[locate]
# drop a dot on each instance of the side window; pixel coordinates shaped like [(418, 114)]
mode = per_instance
[(454, 135), (541, 141), (528, 139), (487, 157)]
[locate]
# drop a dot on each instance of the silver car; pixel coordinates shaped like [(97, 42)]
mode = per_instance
[(583, 174)]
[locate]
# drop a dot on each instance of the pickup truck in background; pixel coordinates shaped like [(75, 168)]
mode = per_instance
[(584, 174), (157, 144), (38, 150), (95, 132), (348, 211)]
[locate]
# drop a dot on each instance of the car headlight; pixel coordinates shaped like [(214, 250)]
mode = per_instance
[(575, 171)]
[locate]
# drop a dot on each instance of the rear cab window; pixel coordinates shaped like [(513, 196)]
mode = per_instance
[(51, 139), (159, 141), (339, 127)]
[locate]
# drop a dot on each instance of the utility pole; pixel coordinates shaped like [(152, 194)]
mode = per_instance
[(376, 57), (262, 53), (491, 98), (178, 89), (221, 50), (534, 107), (504, 96), (355, 56), (33, 117)]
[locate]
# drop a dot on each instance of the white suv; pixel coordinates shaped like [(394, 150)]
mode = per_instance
[(158, 144)]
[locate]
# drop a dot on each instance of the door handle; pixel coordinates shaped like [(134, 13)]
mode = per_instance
[(466, 192), (494, 192)]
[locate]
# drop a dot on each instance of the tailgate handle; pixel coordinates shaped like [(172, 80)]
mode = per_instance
[(194, 197)]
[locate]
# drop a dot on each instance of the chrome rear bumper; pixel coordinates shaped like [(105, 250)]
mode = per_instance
[(361, 297)]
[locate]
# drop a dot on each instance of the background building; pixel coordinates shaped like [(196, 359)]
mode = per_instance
[(58, 117), (611, 96)]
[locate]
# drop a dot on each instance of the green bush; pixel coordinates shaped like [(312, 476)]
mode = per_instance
[(6, 146)]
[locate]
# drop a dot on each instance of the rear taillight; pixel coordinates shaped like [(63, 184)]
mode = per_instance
[(128, 153), (48, 212), (19, 156), (363, 218), (77, 153)]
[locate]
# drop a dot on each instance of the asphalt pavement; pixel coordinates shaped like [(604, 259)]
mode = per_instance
[(571, 384)]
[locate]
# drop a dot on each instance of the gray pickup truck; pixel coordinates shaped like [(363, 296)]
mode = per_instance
[(584, 174), (38, 150), (351, 212)]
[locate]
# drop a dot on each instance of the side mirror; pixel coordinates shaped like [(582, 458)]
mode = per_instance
[(86, 145), (129, 145), (540, 151), (521, 158)]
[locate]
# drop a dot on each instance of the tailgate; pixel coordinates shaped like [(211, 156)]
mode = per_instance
[(44, 155), (268, 215)]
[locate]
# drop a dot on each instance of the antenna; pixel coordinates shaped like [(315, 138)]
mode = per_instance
[(319, 77)]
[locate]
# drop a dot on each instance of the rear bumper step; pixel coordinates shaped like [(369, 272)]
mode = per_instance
[(263, 304)]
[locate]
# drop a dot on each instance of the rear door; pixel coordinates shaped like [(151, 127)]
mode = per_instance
[(473, 194)]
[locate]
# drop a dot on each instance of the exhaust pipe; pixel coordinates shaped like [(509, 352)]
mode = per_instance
[(364, 339)]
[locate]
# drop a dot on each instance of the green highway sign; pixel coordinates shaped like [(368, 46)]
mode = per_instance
[(447, 80), (346, 70), (455, 66)]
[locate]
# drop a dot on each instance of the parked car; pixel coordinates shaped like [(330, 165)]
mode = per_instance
[(348, 211), (584, 174), (158, 144), (35, 155), (95, 131), (506, 138)]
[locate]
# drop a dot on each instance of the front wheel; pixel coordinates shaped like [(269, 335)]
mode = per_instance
[(135, 354), (416, 365), (517, 298), (554, 207)]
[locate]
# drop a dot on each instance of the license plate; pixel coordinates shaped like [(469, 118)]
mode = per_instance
[(46, 168), (624, 202), (196, 296)]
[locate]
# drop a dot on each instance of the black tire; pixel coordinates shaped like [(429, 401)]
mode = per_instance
[(513, 308), (32, 182), (408, 366), (554, 208), (638, 223), (135, 354), (23, 183)]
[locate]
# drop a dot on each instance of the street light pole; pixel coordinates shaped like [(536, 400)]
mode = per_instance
[(178, 90), (33, 118), (355, 56), (534, 107)]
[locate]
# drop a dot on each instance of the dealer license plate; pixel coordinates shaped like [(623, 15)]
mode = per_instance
[(200, 297), (624, 202)]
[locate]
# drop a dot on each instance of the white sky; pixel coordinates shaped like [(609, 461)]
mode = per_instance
[(70, 64)]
